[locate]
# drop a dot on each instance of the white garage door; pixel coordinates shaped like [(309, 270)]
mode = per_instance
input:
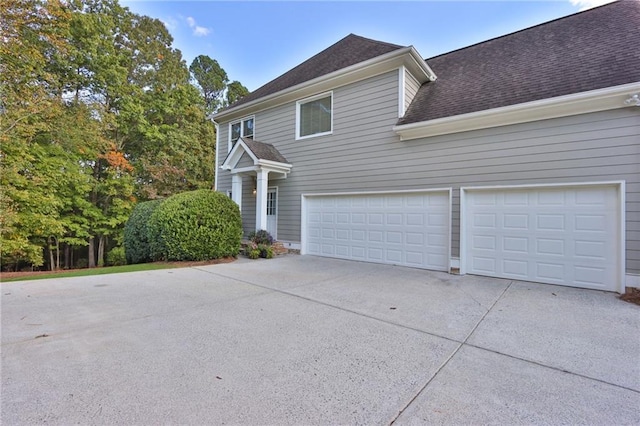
[(558, 235), (410, 229)]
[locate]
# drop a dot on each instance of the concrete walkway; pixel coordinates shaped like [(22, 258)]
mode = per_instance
[(307, 340)]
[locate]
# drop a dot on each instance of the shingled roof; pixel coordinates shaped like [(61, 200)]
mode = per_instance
[(264, 151), (349, 51), (589, 50)]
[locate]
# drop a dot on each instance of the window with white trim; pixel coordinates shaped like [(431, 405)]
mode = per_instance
[(314, 116), (240, 128)]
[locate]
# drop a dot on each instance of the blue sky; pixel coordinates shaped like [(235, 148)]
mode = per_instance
[(257, 41)]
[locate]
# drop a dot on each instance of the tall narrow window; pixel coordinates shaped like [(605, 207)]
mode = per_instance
[(315, 116), (242, 128)]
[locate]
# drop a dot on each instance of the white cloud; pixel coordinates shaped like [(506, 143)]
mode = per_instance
[(201, 31), (170, 23), (588, 4), (198, 31)]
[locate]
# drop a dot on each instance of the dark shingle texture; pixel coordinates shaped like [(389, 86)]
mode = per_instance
[(349, 51), (590, 50), (265, 151)]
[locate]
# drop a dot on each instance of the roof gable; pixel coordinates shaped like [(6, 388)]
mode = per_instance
[(261, 154), (582, 52)]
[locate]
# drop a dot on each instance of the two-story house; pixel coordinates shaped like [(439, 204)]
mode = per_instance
[(517, 157)]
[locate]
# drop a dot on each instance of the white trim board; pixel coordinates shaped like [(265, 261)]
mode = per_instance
[(633, 280)]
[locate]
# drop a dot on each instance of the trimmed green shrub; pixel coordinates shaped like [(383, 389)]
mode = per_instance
[(136, 233), (195, 225), (116, 257)]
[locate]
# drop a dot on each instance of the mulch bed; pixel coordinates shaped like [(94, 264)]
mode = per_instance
[(632, 295), (25, 274)]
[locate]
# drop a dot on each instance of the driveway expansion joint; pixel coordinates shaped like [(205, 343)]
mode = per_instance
[(450, 357)]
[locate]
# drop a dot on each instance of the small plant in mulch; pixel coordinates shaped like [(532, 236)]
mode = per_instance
[(260, 245)]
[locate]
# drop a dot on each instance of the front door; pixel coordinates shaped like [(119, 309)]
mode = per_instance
[(272, 212)]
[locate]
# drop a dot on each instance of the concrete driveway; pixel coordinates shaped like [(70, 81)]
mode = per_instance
[(307, 340)]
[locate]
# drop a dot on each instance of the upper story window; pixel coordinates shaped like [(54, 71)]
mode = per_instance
[(240, 128), (314, 116)]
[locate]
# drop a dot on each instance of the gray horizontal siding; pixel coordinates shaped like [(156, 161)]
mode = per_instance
[(363, 154), (245, 161), (411, 86)]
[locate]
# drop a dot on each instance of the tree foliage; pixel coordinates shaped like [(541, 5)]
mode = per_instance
[(136, 231), (97, 111), (214, 84), (211, 79), (235, 92)]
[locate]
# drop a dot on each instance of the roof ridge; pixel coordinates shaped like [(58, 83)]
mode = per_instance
[(376, 41), (351, 35), (343, 53), (528, 28)]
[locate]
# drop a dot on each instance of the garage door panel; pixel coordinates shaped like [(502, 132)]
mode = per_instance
[(560, 235), (409, 229)]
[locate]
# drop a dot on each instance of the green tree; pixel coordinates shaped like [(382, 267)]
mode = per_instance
[(32, 32), (211, 79), (97, 110), (235, 92)]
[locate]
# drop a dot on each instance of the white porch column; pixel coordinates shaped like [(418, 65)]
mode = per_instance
[(261, 199), (236, 189)]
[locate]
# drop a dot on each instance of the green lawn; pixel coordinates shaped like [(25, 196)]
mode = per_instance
[(94, 271)]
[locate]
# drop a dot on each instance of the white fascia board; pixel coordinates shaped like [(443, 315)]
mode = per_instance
[(275, 164), (561, 106), (236, 153), (244, 170), (407, 56)]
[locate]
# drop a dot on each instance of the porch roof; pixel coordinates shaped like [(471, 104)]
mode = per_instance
[(264, 155)]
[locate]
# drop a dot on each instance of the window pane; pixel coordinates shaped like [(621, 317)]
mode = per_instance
[(235, 132), (247, 128), (315, 117)]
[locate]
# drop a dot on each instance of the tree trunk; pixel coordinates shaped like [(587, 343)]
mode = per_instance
[(101, 242), (67, 259), (57, 254), (50, 253), (91, 261)]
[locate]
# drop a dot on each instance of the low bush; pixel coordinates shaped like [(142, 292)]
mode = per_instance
[(137, 246), (116, 257), (254, 251), (195, 225), (261, 237), (266, 252)]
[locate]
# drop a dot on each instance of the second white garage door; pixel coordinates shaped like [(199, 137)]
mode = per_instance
[(409, 229), (567, 235)]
